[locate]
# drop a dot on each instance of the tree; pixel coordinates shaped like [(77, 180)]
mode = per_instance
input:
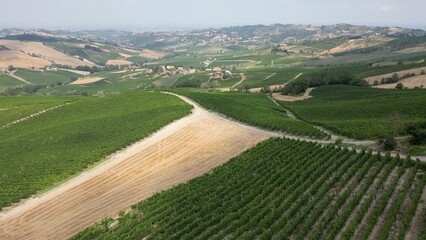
[(395, 78), (399, 86), (11, 68)]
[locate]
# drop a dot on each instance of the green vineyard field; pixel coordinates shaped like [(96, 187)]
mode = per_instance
[(51, 147), (282, 189), (253, 109)]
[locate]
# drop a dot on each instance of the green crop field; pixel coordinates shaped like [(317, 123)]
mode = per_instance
[(263, 77), (192, 80), (254, 109), (112, 83), (14, 108), (281, 189), (76, 48), (8, 81), (46, 77), (360, 112), (53, 146)]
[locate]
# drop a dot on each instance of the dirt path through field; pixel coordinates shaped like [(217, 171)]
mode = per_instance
[(286, 98), (12, 74), (243, 78), (179, 152), (273, 87), (32, 115)]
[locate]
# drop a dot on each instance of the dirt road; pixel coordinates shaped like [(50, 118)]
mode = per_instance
[(181, 151), (287, 98), (12, 74)]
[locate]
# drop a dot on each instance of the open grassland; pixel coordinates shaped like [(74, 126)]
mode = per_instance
[(46, 77), (284, 189), (15, 108), (254, 109), (360, 112), (46, 149)]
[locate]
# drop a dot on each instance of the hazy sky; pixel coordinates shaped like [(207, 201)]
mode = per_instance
[(143, 14)]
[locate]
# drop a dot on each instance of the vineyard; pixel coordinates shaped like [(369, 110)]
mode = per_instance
[(253, 109), (14, 108), (360, 112), (44, 150), (284, 189)]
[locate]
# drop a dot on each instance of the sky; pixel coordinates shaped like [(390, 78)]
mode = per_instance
[(180, 14)]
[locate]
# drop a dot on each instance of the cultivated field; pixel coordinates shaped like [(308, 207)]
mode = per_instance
[(118, 62), (254, 109), (59, 143), (378, 78), (21, 60), (44, 51), (284, 189), (354, 44), (360, 112), (176, 154), (287, 98), (87, 80), (410, 83)]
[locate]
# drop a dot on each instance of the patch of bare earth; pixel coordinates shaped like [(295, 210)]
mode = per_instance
[(21, 60), (118, 62), (179, 152), (412, 82), (147, 53), (286, 98), (84, 73), (378, 78), (86, 80), (354, 44), (44, 52)]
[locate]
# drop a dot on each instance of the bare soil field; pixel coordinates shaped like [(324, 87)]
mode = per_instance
[(421, 48), (45, 52), (147, 53), (84, 73), (378, 78), (179, 152), (357, 44), (412, 82), (118, 62), (21, 60), (87, 80), (280, 97), (152, 54)]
